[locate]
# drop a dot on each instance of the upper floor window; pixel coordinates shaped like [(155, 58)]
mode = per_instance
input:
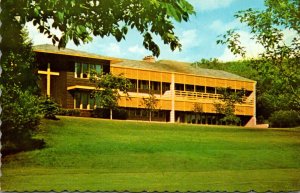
[(83, 70)]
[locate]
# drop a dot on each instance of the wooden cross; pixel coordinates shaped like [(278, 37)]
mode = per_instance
[(48, 73)]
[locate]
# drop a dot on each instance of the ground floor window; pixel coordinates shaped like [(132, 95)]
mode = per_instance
[(143, 114), (84, 100), (205, 118)]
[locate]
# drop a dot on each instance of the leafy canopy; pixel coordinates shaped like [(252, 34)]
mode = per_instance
[(108, 89), (226, 106), (279, 63), (150, 103), (79, 20)]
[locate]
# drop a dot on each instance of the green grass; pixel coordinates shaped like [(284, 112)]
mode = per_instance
[(91, 154)]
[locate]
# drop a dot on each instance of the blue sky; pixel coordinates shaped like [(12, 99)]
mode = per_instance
[(198, 36)]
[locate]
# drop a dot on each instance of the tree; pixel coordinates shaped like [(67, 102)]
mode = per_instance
[(198, 109), (108, 88), (79, 20), (20, 106), (279, 63), (150, 103), (229, 98)]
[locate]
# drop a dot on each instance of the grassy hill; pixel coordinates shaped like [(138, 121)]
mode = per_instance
[(92, 154)]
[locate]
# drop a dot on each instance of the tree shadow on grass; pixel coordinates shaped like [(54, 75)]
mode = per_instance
[(28, 145)]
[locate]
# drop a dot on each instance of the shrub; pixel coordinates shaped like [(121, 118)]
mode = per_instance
[(69, 112), (49, 108), (284, 119), (20, 120)]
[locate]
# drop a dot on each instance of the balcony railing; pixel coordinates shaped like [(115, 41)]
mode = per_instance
[(193, 96)]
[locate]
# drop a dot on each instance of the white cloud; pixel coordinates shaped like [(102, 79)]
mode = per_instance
[(289, 35), (39, 38), (221, 27), (113, 49), (205, 5), (137, 50), (189, 39), (252, 48)]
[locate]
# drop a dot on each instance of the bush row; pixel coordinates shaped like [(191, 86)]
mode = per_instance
[(283, 119)]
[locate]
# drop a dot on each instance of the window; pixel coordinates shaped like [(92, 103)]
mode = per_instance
[(189, 87), (155, 85), (200, 88), (165, 86), (77, 70), (83, 70), (143, 86), (83, 100), (179, 87), (77, 100), (210, 90)]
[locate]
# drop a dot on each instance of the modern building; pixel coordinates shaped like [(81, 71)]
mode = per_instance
[(178, 86)]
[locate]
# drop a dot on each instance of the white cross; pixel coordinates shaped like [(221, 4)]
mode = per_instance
[(48, 73)]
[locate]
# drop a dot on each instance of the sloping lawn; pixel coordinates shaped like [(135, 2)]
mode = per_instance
[(102, 155)]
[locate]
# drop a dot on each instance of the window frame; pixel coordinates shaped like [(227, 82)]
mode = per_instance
[(89, 67)]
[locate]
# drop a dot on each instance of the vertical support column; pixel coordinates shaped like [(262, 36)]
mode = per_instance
[(254, 103), (172, 89)]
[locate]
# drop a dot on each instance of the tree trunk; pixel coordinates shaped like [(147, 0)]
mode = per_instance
[(110, 112), (150, 116)]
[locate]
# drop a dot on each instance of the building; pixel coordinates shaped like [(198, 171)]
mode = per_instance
[(178, 86)]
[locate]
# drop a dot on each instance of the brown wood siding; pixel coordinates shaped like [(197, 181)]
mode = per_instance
[(155, 76), (179, 78), (58, 89), (211, 82), (166, 77), (189, 79), (200, 81)]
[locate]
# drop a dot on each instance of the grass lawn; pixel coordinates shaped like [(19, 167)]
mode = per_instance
[(102, 155)]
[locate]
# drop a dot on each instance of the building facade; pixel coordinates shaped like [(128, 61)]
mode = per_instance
[(178, 87)]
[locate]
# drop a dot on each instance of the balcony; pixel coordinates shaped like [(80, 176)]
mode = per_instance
[(195, 96)]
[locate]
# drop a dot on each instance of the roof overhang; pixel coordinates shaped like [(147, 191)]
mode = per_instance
[(79, 87), (50, 49)]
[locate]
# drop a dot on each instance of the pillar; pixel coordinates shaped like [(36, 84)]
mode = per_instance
[(172, 89)]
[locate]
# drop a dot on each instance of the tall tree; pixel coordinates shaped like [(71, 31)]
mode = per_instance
[(279, 63), (226, 106), (198, 110), (108, 90), (150, 104), (79, 20), (20, 107)]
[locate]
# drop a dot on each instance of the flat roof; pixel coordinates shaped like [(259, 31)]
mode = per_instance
[(49, 48)]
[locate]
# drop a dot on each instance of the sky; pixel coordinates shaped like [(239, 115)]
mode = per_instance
[(198, 36)]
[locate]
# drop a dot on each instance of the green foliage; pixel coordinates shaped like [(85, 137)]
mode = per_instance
[(49, 108), (80, 20), (20, 107), (20, 119), (279, 63), (227, 105), (69, 112), (150, 104), (243, 68), (108, 89), (285, 119), (198, 108)]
